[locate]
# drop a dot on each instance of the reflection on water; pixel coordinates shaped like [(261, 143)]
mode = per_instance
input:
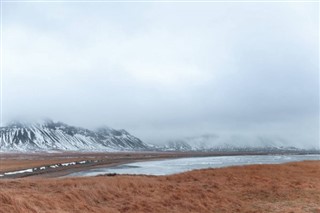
[(126, 166), (172, 166)]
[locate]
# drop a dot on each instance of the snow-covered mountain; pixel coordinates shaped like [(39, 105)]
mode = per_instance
[(227, 143), (48, 135)]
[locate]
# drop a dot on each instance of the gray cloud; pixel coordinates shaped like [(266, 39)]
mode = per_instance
[(166, 70)]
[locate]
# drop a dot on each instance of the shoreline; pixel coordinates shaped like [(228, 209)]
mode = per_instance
[(13, 162)]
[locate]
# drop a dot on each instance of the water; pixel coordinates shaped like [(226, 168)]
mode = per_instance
[(173, 166)]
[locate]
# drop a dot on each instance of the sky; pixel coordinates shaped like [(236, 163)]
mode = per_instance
[(167, 70)]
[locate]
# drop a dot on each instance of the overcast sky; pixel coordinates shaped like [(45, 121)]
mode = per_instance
[(166, 71)]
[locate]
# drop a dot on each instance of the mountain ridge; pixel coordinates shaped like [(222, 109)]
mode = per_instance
[(49, 135)]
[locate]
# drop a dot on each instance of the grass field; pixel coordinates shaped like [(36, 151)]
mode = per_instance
[(292, 187)]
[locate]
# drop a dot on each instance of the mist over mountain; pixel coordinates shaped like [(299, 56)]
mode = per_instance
[(215, 142)]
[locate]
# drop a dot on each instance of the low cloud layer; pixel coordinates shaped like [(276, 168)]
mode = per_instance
[(165, 71)]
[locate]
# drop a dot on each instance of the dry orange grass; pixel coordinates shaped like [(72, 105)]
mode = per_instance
[(293, 187)]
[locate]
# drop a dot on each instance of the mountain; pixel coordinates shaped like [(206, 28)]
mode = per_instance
[(57, 136), (48, 135), (231, 143)]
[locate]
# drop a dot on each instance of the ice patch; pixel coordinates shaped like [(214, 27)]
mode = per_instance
[(173, 166), (67, 164), (18, 172)]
